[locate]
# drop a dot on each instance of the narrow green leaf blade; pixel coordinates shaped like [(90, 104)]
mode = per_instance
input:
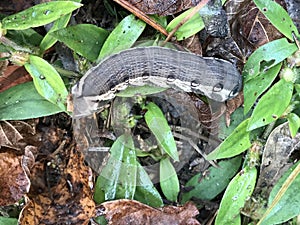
[(169, 182), (145, 191), (159, 127), (24, 102), (84, 39), (294, 123), (123, 36), (118, 177), (234, 144), (238, 191), (47, 81), (258, 85), (279, 97), (39, 15), (267, 56), (217, 179), (278, 17), (8, 221)]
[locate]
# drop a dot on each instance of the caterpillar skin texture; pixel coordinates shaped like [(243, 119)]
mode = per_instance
[(217, 79)]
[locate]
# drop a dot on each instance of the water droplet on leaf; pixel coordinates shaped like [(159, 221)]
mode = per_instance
[(251, 71), (47, 12), (234, 198)]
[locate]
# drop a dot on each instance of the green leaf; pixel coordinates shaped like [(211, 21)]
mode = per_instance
[(39, 15), (191, 27), (85, 39), (285, 205), (297, 88), (8, 221), (48, 41), (169, 182), (209, 186), (132, 91), (123, 36), (235, 119), (267, 56), (159, 127), (145, 191), (161, 20), (118, 178), (47, 81), (29, 38), (234, 144), (278, 17), (238, 191), (24, 102), (4, 48), (279, 97), (294, 123), (258, 85), (100, 220)]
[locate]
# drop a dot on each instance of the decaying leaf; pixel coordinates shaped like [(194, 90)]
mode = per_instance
[(132, 212), (9, 135), (276, 158), (65, 200), (14, 182), (163, 7), (255, 26)]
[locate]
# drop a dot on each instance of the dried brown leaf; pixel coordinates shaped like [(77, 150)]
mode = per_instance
[(13, 6), (163, 7), (65, 197), (276, 158), (193, 44), (14, 182), (253, 25), (12, 76), (232, 105), (132, 212), (9, 135)]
